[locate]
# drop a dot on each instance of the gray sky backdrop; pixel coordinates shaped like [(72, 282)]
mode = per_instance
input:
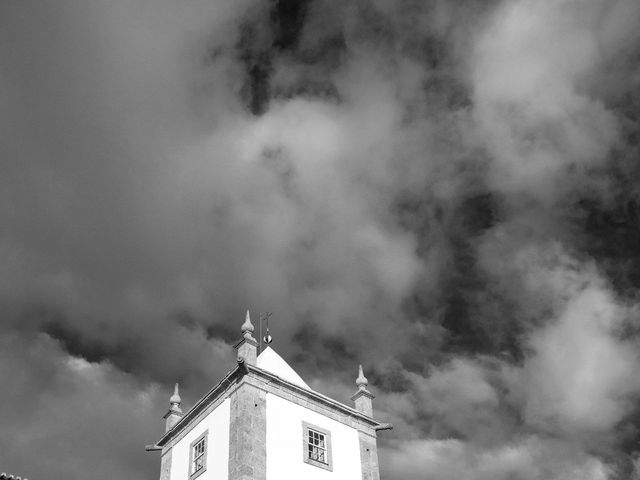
[(447, 191)]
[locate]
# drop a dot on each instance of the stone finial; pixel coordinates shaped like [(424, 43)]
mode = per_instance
[(175, 412), (361, 381), (363, 398), (247, 346), (175, 400), (247, 327)]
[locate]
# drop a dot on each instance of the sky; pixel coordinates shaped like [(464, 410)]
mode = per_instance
[(446, 191)]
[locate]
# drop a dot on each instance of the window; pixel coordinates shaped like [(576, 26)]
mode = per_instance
[(316, 446), (198, 461), (198, 456)]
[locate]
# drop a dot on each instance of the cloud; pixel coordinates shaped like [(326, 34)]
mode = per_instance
[(460, 399), (565, 402), (62, 407), (442, 191), (531, 80), (580, 377), (529, 458)]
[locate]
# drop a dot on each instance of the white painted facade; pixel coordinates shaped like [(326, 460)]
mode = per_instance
[(285, 448), (217, 424)]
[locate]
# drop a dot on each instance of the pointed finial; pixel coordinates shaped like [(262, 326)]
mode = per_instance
[(175, 400), (247, 327), (361, 381), (363, 397)]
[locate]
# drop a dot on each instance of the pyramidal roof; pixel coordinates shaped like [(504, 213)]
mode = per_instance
[(270, 361)]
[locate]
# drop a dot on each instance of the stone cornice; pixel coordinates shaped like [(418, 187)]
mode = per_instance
[(245, 369), (317, 397), (201, 404)]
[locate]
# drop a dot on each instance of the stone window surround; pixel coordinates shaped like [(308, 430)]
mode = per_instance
[(306, 426), (204, 436)]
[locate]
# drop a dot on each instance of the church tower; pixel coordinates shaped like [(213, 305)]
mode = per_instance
[(263, 422)]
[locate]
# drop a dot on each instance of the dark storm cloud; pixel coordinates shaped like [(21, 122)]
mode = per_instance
[(444, 191)]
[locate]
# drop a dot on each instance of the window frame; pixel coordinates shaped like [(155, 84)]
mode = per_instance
[(204, 436), (306, 427)]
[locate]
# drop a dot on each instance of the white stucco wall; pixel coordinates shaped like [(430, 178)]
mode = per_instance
[(217, 422), (285, 447)]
